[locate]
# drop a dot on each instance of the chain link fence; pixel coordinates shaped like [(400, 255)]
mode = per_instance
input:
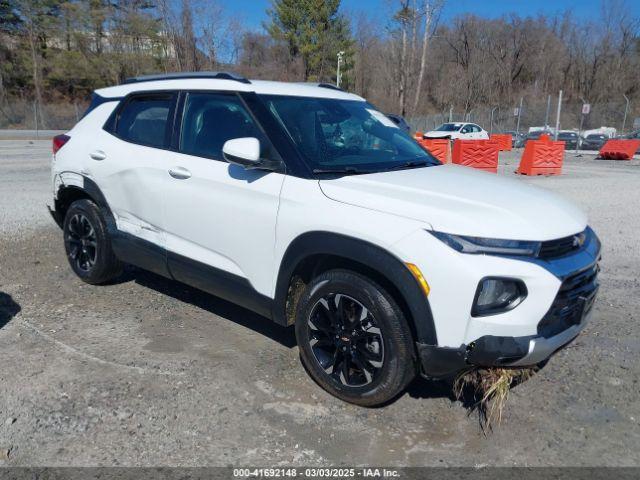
[(535, 114), (539, 114), (31, 115)]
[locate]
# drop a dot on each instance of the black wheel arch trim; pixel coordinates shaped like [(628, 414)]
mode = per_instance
[(373, 257), (91, 190)]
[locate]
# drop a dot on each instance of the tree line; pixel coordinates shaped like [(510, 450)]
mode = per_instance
[(415, 60)]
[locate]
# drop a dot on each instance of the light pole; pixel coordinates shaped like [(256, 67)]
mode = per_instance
[(338, 74), (626, 109), (555, 137), (584, 102)]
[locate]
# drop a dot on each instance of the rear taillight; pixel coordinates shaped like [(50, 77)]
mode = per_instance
[(59, 141)]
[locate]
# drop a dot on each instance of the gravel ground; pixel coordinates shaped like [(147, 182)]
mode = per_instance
[(150, 372)]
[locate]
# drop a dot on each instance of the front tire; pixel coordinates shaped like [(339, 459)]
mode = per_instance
[(354, 339), (88, 245)]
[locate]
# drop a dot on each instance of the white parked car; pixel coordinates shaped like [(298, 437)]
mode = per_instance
[(461, 130), (310, 207)]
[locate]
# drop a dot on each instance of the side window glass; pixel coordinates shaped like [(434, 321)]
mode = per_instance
[(476, 128), (210, 119), (144, 120), (465, 129)]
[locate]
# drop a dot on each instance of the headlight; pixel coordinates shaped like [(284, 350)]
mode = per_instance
[(488, 245), (497, 295)]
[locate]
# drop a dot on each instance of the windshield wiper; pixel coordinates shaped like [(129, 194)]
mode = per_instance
[(338, 170), (411, 164)]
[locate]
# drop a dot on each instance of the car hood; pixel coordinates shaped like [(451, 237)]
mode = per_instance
[(461, 200)]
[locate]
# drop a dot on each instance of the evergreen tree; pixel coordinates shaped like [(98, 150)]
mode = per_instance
[(314, 32)]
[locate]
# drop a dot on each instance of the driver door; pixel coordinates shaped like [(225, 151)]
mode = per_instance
[(466, 133), (220, 218)]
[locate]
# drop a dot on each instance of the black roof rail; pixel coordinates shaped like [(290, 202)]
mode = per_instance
[(187, 75), (330, 85), (322, 85)]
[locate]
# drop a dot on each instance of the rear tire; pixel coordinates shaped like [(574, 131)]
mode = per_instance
[(87, 244), (354, 339)]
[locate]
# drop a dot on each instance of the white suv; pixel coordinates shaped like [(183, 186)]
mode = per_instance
[(307, 205)]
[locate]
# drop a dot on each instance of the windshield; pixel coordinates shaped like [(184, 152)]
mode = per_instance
[(346, 136), (449, 127)]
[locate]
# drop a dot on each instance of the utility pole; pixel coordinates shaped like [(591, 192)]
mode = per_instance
[(338, 74), (626, 109), (558, 115)]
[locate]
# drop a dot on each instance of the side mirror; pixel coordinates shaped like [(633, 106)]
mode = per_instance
[(245, 152), (242, 151)]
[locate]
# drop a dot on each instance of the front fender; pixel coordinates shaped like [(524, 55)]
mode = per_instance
[(372, 256)]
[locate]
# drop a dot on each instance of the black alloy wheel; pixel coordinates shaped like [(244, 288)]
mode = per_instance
[(88, 244), (346, 340), (354, 339), (82, 242)]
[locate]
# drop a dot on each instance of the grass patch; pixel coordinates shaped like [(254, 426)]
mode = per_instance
[(486, 390)]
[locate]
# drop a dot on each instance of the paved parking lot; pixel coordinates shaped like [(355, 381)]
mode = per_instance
[(150, 372)]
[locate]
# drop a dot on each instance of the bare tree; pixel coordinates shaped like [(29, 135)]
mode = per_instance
[(430, 11)]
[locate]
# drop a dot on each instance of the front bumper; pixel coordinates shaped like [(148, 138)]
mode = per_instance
[(567, 316), (541, 348), (490, 351)]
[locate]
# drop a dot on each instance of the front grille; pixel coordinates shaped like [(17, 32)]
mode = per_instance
[(575, 298), (560, 247)]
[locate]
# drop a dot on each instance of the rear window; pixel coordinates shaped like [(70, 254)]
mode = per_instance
[(144, 120)]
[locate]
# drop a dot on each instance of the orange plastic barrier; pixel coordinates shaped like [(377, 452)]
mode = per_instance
[(438, 147), (542, 157), (504, 140), (418, 135), (619, 149), (545, 136), (480, 154)]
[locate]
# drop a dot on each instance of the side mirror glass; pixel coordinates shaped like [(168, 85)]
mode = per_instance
[(243, 151)]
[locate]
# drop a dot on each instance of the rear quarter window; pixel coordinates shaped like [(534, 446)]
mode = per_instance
[(96, 101), (144, 119)]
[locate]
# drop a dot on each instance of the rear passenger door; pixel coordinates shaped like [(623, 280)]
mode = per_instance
[(479, 133), (128, 161), (220, 218)]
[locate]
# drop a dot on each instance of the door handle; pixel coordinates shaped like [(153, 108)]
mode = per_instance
[(180, 173), (98, 155)]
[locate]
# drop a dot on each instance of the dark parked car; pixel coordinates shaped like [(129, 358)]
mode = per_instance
[(570, 140), (536, 134), (399, 121), (517, 138), (631, 136), (593, 141)]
